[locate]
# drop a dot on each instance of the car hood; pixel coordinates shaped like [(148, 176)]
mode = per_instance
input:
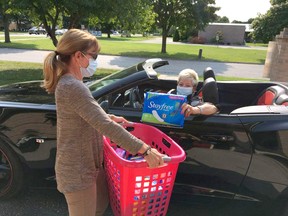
[(26, 92)]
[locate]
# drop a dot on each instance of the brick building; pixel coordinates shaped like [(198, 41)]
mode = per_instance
[(276, 63)]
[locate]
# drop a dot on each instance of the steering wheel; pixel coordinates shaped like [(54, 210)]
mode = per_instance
[(135, 99)]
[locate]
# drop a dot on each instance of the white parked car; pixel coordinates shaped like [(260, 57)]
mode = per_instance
[(60, 31), (36, 30)]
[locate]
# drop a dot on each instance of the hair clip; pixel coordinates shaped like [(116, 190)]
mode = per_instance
[(57, 56)]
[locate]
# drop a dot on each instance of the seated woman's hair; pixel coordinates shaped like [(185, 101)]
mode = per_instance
[(189, 74)]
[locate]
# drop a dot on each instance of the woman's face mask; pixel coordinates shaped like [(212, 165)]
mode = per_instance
[(91, 69), (184, 90)]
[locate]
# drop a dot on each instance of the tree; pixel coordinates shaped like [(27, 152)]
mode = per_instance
[(183, 14), (268, 25), (223, 19), (139, 15), (77, 11), (45, 12), (49, 13), (5, 12)]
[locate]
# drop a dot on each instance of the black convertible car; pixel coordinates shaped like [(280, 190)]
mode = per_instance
[(240, 153)]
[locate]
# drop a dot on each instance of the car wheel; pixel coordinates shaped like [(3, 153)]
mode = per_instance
[(11, 173)]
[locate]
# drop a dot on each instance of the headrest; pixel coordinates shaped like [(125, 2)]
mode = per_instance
[(282, 100), (208, 72), (210, 91)]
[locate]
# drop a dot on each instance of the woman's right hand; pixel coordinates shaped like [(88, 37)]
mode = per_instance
[(154, 158)]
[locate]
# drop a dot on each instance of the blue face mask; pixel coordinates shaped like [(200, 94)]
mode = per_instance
[(184, 90), (91, 69)]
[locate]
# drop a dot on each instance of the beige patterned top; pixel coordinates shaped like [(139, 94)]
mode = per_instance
[(81, 122)]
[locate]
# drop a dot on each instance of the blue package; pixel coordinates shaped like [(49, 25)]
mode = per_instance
[(164, 109)]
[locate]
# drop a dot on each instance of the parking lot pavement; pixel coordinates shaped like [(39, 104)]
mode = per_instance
[(47, 201), (254, 71)]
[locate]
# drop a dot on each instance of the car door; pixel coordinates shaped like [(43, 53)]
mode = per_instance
[(218, 154), (218, 151), (267, 177)]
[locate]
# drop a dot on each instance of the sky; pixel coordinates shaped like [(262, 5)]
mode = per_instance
[(242, 10)]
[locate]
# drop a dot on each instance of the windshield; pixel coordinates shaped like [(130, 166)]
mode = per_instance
[(98, 84)]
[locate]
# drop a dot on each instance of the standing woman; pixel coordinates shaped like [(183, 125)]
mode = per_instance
[(81, 122)]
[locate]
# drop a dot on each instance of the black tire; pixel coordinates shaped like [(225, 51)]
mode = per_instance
[(11, 173)]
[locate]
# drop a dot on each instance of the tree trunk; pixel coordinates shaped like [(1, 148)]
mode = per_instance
[(54, 40), (6, 28), (164, 41)]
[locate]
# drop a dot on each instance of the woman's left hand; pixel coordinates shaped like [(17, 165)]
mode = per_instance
[(188, 110), (118, 119)]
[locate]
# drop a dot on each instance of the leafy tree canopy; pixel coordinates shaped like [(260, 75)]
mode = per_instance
[(223, 19), (184, 14), (267, 26)]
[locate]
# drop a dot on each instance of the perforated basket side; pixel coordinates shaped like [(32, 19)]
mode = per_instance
[(139, 191), (136, 189)]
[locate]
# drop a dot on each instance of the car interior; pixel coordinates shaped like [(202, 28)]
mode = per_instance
[(229, 95)]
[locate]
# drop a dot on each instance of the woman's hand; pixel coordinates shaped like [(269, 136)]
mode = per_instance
[(118, 119), (153, 157), (190, 110), (203, 109)]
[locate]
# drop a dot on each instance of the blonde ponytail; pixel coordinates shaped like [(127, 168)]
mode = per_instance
[(52, 70)]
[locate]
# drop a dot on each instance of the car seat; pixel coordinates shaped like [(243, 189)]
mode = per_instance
[(209, 73), (269, 95), (210, 91)]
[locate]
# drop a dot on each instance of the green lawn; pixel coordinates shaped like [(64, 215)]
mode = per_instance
[(11, 72), (135, 47)]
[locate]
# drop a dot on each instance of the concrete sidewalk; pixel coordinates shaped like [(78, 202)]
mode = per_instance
[(253, 71)]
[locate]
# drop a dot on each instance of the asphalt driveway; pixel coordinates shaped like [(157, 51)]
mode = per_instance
[(40, 201)]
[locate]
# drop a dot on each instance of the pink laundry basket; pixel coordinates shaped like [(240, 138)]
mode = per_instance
[(134, 188)]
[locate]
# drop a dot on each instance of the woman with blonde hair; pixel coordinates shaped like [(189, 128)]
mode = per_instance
[(81, 122)]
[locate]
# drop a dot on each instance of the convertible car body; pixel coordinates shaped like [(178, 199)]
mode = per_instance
[(240, 153)]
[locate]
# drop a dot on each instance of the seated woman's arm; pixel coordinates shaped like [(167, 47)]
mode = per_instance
[(203, 109)]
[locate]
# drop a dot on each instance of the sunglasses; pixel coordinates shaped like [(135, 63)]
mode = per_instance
[(94, 56)]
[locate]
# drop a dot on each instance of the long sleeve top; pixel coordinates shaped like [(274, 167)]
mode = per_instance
[(81, 124)]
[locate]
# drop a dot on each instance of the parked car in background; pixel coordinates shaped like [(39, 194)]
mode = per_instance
[(60, 31), (96, 33), (125, 33), (115, 32), (238, 155), (37, 30)]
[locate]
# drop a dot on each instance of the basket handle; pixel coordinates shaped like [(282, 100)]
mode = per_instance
[(129, 123), (166, 158)]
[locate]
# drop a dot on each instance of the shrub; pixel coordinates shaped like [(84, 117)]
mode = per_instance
[(196, 40)]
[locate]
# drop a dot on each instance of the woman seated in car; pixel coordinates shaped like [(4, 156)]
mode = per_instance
[(187, 85)]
